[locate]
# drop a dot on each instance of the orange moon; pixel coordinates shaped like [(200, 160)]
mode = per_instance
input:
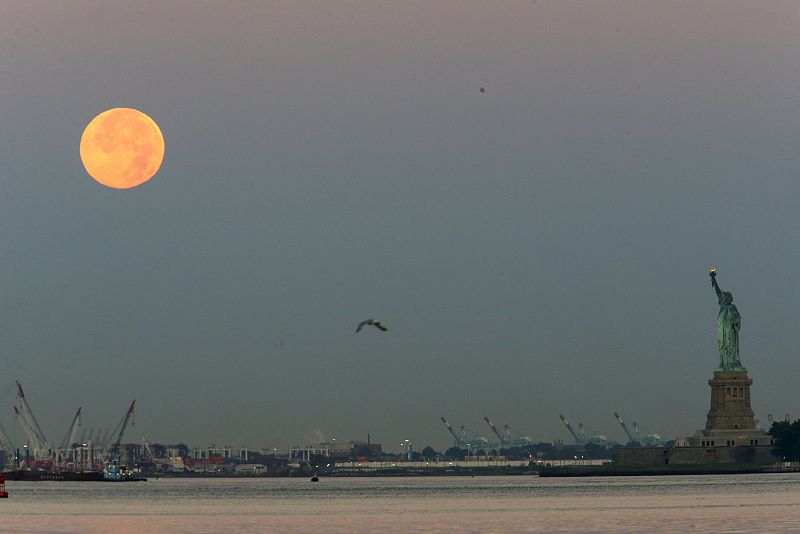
[(122, 148)]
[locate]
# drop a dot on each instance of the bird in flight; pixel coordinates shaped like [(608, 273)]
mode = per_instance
[(371, 322)]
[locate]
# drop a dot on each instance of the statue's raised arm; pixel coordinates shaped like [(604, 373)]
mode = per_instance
[(729, 322), (713, 274)]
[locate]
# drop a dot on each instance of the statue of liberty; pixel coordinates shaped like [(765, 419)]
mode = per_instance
[(728, 324)]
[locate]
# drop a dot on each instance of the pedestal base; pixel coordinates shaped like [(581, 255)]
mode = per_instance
[(730, 402), (729, 438), (730, 421)]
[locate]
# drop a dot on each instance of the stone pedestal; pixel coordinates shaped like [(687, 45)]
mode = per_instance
[(730, 402), (730, 421), (730, 436)]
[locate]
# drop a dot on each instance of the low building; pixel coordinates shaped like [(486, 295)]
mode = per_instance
[(226, 452), (341, 450)]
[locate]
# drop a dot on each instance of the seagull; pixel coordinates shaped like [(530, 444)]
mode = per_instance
[(371, 322)]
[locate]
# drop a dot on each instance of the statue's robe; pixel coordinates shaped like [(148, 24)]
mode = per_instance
[(728, 324)]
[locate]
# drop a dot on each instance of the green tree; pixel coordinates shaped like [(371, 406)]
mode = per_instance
[(454, 453), (429, 453), (787, 440)]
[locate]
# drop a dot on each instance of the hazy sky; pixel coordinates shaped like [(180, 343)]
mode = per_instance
[(538, 248)]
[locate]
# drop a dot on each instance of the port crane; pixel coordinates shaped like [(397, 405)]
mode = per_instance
[(32, 441), (66, 447), (578, 439), (515, 436), (122, 425), (25, 409), (72, 431), (467, 439), (456, 438), (594, 437), (170, 464), (581, 437), (36, 438), (475, 442), (5, 444), (649, 438), (103, 437), (494, 429), (631, 437), (510, 436)]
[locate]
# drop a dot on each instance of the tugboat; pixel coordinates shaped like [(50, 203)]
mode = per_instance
[(114, 472)]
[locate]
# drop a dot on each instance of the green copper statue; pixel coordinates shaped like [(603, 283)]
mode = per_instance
[(728, 324)]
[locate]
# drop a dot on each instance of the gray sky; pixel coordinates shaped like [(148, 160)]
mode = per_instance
[(535, 249)]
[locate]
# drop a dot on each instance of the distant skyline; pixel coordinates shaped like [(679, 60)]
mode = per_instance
[(527, 194)]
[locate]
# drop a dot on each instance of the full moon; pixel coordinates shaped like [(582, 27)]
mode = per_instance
[(122, 148)]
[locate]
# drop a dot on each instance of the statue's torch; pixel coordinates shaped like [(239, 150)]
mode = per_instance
[(712, 272)]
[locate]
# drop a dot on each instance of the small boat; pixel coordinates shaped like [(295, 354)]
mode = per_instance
[(114, 472), (315, 478)]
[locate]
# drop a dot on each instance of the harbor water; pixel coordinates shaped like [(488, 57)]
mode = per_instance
[(680, 504)]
